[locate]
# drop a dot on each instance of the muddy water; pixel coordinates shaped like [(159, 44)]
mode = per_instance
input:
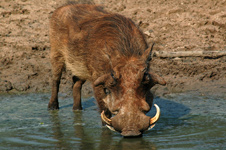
[(188, 121)]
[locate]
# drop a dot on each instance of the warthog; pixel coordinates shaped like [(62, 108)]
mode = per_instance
[(110, 51)]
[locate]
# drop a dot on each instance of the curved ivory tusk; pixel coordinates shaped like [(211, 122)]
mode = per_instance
[(105, 119), (111, 128), (152, 126), (157, 115)]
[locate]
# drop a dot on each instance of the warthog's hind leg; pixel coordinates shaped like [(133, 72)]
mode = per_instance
[(57, 68)]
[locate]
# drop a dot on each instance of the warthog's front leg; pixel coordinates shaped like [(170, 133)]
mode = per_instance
[(77, 93)]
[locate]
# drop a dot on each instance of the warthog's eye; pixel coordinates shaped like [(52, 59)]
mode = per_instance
[(107, 91)]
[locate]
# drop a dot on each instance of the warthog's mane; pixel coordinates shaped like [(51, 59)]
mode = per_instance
[(115, 31)]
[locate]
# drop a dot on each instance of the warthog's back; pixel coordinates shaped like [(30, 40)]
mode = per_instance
[(86, 36)]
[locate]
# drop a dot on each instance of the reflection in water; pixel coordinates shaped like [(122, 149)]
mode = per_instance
[(171, 112), (186, 121), (57, 132), (137, 143), (109, 142), (86, 140)]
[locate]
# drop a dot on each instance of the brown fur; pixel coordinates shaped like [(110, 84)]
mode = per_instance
[(107, 49)]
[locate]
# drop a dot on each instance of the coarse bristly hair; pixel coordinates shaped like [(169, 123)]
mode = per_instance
[(109, 50), (118, 32), (95, 34)]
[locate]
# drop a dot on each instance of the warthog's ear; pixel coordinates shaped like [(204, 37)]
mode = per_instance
[(101, 80), (148, 53), (106, 79), (156, 79)]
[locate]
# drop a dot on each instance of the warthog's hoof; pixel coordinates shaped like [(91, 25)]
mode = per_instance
[(53, 106)]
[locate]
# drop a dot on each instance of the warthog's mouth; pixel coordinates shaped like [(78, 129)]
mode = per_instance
[(151, 123)]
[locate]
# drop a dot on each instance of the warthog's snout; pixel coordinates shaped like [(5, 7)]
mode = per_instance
[(131, 124)]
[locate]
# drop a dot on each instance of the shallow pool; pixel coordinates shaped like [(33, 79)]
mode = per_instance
[(188, 121)]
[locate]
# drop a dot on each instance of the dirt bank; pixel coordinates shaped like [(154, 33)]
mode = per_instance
[(173, 25)]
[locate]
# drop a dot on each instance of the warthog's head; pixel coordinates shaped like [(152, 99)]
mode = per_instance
[(128, 96)]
